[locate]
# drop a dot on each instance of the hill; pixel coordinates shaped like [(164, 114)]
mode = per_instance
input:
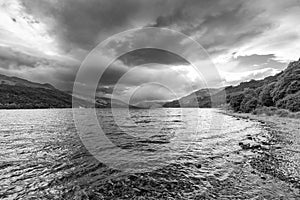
[(17, 93), (281, 91), (200, 98)]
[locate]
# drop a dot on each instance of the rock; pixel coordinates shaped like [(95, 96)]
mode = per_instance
[(198, 165), (250, 145), (263, 178)]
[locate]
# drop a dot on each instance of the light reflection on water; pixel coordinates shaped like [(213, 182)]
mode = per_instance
[(42, 155)]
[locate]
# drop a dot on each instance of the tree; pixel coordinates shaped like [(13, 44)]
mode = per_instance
[(265, 96), (290, 102), (249, 105), (250, 101), (236, 100)]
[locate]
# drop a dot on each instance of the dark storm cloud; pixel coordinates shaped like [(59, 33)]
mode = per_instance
[(76, 26), (83, 24), (36, 68), (182, 12), (217, 25), (79, 23), (112, 74), (150, 55), (108, 89), (10, 58), (140, 57)]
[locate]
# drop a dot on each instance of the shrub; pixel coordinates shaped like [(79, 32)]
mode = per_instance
[(294, 87), (236, 100), (248, 105), (265, 110), (265, 97), (290, 102), (282, 113), (249, 102)]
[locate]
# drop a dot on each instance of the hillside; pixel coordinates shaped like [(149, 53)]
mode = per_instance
[(202, 99), (15, 81), (17, 93), (281, 91)]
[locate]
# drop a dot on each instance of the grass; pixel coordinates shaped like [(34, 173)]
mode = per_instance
[(273, 111)]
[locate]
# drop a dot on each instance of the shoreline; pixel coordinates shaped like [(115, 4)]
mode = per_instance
[(278, 147)]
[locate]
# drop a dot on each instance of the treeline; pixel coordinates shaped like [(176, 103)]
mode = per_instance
[(281, 91), (23, 97), (16, 97)]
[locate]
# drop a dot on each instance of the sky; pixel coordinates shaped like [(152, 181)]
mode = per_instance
[(47, 40)]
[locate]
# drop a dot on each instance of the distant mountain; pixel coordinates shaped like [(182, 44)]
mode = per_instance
[(17, 93), (281, 90), (200, 98), (150, 104), (203, 97), (15, 81), (105, 102)]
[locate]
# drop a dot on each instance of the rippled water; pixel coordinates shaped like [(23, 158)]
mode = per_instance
[(151, 154)]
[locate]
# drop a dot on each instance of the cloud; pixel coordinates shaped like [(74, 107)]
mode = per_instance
[(233, 78), (36, 68), (220, 26), (83, 24), (153, 79), (150, 55), (10, 58), (79, 22), (46, 40), (249, 63)]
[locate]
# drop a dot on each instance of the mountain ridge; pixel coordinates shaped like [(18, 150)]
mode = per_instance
[(18, 93), (282, 90)]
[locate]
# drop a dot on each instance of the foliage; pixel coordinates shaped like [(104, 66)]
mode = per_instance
[(288, 82), (236, 100), (250, 101), (265, 97), (281, 90), (15, 97), (290, 102), (248, 105), (271, 111)]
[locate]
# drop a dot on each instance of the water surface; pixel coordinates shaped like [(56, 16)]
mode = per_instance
[(154, 154)]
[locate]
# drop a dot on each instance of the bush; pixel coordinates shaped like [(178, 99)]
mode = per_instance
[(272, 111), (290, 102), (265, 97), (248, 105), (265, 111), (235, 101), (281, 90), (295, 115), (294, 87), (282, 113), (249, 102)]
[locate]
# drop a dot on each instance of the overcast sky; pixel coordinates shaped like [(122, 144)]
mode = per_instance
[(46, 40)]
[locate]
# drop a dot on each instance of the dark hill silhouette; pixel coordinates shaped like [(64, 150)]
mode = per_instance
[(17, 93)]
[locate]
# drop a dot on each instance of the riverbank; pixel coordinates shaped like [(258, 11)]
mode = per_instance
[(278, 147)]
